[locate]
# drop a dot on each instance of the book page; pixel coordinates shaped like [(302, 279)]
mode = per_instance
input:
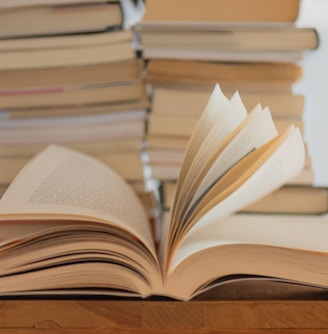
[(249, 172), (215, 105), (289, 247), (216, 116), (303, 232), (227, 121), (63, 184), (285, 160), (257, 129)]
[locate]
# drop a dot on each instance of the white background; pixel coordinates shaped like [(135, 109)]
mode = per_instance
[(314, 86)]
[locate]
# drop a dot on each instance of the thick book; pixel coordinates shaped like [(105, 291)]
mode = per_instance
[(70, 76), (76, 110), (229, 38), (244, 77), (24, 3), (256, 11), (230, 43), (171, 125), (66, 50), (57, 97), (289, 199), (86, 232), (47, 19), (196, 54), (189, 102)]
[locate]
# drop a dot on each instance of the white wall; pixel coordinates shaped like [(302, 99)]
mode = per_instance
[(314, 86)]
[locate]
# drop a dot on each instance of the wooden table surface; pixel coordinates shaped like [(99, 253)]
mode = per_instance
[(247, 309)]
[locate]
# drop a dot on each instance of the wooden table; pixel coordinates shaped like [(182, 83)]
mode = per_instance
[(304, 312)]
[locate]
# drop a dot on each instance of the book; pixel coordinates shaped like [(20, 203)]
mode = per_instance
[(280, 56), (170, 172), (69, 97), (289, 199), (35, 123), (167, 155), (64, 134), (91, 109), (23, 3), (229, 38), (72, 76), (306, 200), (65, 41), (90, 234), (244, 77), (127, 164), (46, 19), (66, 50), (115, 138), (256, 11), (91, 148), (172, 125), (189, 102)]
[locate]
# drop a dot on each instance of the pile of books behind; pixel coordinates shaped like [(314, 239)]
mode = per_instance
[(250, 46), (70, 75)]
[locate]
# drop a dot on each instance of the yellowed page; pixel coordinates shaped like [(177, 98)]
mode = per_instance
[(214, 107), (64, 184), (239, 175), (257, 130), (226, 122), (284, 163), (285, 246), (220, 117), (265, 230)]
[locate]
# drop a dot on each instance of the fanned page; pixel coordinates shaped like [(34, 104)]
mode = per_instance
[(256, 175), (226, 121), (214, 108), (238, 168), (245, 139), (62, 184)]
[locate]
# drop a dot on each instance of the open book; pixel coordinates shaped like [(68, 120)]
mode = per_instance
[(70, 225)]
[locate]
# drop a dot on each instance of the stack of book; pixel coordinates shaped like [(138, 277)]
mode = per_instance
[(70, 74), (251, 46)]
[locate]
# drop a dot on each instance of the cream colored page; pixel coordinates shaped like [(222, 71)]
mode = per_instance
[(232, 115), (69, 184), (217, 121), (298, 232), (228, 120), (286, 162), (214, 106), (258, 130)]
